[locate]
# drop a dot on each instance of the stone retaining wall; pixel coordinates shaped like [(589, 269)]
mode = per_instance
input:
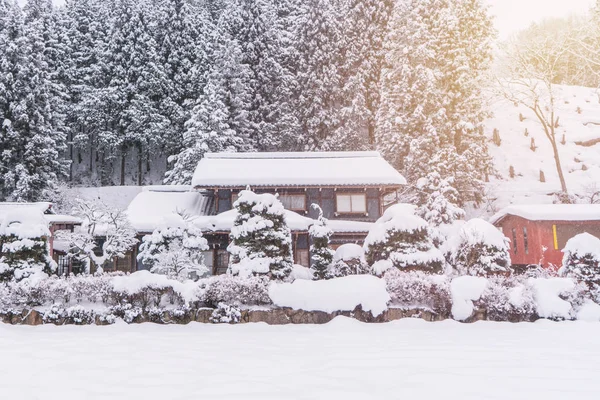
[(275, 316)]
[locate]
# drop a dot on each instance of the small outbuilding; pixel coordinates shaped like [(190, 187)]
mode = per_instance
[(538, 233)]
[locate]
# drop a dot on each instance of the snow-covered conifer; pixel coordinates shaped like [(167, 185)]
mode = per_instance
[(175, 249), (320, 254), (24, 248), (581, 261), (439, 200), (261, 242), (404, 239), (482, 250)]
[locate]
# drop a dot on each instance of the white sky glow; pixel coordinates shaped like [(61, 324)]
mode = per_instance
[(514, 15)]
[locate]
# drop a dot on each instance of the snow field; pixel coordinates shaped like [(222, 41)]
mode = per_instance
[(343, 359)]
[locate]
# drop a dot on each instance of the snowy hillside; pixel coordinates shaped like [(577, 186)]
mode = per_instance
[(579, 113)]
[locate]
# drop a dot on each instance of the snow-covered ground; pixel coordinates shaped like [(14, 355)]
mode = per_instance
[(578, 109), (344, 359)]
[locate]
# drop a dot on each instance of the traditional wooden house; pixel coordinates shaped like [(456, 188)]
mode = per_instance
[(352, 188), (538, 233), (55, 222)]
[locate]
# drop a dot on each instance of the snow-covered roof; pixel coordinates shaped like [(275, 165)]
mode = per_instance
[(43, 207), (152, 205), (551, 212), (224, 222), (305, 169)]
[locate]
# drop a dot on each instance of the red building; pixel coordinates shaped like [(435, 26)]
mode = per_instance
[(538, 233)]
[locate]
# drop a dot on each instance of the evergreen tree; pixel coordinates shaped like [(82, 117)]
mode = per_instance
[(321, 254), (261, 242), (482, 250), (431, 107), (31, 135), (438, 200), (581, 261), (220, 119), (405, 240), (24, 245), (183, 36)]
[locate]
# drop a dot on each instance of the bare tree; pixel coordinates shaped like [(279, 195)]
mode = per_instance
[(527, 78)]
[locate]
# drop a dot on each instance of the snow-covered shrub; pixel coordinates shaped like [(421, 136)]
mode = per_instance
[(226, 314), (404, 239), (24, 249), (439, 200), (301, 272), (175, 249), (78, 315), (581, 261), (508, 299), (261, 241), (416, 289), (349, 259), (482, 250), (321, 254), (237, 290), (127, 312), (144, 289), (102, 221)]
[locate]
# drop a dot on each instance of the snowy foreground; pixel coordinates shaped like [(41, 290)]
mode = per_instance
[(344, 359)]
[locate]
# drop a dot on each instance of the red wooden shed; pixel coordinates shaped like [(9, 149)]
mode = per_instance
[(538, 233)]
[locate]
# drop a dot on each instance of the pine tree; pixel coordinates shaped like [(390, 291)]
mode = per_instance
[(439, 200), (261, 242), (581, 261), (321, 254), (24, 242), (220, 119), (183, 35), (431, 106), (318, 33), (31, 135), (405, 240), (482, 250)]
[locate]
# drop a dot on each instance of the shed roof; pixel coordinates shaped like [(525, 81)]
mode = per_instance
[(304, 169), (551, 212)]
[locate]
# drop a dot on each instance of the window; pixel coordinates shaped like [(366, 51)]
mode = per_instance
[(525, 241), (294, 202), (514, 241), (351, 203), (302, 257), (123, 264), (234, 197), (208, 260), (222, 262)]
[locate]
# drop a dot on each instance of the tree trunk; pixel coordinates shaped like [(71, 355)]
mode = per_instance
[(561, 177), (140, 164), (123, 167)]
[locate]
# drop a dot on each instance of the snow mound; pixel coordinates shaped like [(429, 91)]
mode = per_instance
[(140, 280), (547, 296), (465, 290), (301, 272), (477, 231), (582, 245), (24, 223), (340, 294), (590, 311), (349, 251)]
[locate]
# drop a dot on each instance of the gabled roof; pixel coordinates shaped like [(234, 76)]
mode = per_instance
[(551, 212), (149, 208), (303, 169)]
